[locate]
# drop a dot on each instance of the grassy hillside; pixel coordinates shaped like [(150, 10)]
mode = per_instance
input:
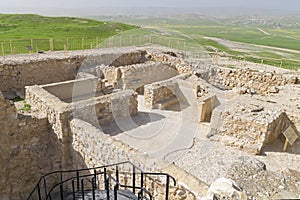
[(274, 32), (16, 32), (270, 31)]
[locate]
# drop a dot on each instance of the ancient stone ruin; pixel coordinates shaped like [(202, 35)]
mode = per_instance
[(146, 105)]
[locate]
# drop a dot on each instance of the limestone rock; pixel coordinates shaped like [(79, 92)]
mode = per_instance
[(224, 188), (273, 90), (259, 183)]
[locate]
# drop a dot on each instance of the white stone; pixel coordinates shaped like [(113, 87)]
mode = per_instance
[(225, 188)]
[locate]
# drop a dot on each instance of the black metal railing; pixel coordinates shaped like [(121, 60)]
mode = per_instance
[(106, 179)]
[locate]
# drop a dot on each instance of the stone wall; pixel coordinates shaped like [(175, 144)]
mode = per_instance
[(46, 105), (130, 58), (8, 115), (110, 73), (246, 81), (98, 148), (27, 150), (107, 65), (25, 70), (175, 62), (136, 76), (73, 90), (15, 76), (161, 91), (243, 81), (96, 110), (248, 124), (108, 108), (207, 104)]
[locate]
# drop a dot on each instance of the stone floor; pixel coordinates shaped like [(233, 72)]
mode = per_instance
[(159, 132), (176, 137)]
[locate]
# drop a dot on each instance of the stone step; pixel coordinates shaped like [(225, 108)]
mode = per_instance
[(166, 103)]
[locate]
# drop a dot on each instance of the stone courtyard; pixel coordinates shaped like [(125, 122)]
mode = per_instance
[(156, 108)]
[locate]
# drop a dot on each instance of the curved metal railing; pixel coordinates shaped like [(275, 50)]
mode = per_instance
[(77, 182)]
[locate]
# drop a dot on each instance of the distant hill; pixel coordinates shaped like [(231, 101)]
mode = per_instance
[(275, 31), (14, 26), (282, 21)]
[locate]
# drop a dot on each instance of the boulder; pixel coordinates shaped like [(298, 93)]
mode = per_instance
[(260, 183), (273, 90), (224, 188)]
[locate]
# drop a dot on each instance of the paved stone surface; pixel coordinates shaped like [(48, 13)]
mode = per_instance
[(160, 132)]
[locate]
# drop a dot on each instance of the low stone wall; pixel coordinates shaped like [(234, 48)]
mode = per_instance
[(98, 148), (108, 108), (27, 150), (74, 90), (107, 65), (161, 91), (97, 110), (246, 81), (134, 57), (110, 73), (46, 105), (248, 124), (19, 71), (175, 62), (136, 76), (15, 76)]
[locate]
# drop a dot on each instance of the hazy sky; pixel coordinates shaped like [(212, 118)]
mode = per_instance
[(38, 5)]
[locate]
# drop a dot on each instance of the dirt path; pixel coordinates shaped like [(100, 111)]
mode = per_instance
[(233, 43), (264, 32)]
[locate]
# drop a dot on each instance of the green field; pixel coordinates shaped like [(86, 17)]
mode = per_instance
[(281, 31), (17, 32), (275, 32), (249, 35), (184, 32), (263, 56)]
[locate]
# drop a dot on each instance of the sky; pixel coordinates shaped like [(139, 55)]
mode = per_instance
[(36, 5)]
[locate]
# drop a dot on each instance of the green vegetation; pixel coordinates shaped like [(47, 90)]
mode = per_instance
[(254, 36), (280, 32), (207, 43), (193, 33), (17, 99), (268, 58), (245, 35), (26, 107), (65, 32), (284, 63)]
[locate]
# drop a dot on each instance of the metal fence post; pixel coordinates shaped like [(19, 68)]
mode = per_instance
[(51, 44), (11, 46), (2, 47), (82, 43)]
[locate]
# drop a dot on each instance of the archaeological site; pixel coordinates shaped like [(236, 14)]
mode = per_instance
[(146, 123)]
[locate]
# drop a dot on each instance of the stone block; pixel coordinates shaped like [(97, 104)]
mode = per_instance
[(248, 124), (207, 105)]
